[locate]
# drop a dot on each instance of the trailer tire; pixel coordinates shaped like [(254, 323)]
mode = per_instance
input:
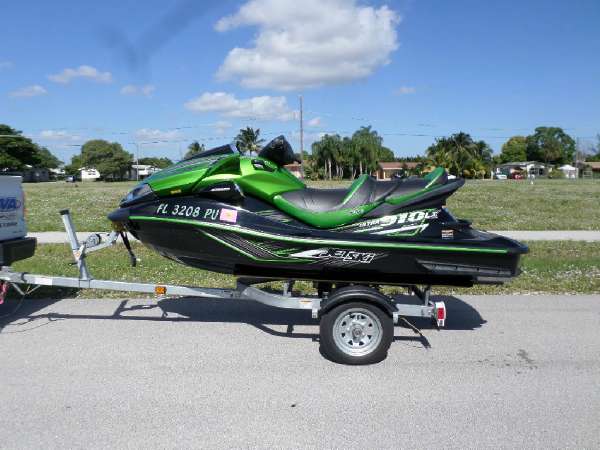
[(356, 333)]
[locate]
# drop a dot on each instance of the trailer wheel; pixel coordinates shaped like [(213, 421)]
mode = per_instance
[(356, 333)]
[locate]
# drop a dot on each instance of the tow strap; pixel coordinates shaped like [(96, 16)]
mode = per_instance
[(132, 257)]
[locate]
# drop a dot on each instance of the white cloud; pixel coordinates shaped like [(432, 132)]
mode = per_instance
[(263, 107), (153, 134), (404, 90), (309, 137), (89, 72), (29, 91), (58, 135), (221, 126), (5, 65), (315, 122), (131, 89), (309, 43)]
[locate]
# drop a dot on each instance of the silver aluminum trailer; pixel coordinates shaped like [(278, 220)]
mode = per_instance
[(356, 321)]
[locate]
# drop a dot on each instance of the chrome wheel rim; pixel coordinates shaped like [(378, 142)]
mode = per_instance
[(357, 331)]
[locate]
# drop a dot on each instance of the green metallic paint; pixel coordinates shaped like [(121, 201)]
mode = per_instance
[(311, 241), (434, 175), (264, 184), (188, 177), (431, 177), (191, 176), (325, 219)]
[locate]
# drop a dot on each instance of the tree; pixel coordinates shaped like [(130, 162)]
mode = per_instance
[(334, 156), (161, 163), (551, 145), (385, 155), (47, 159), (248, 140), (368, 145), (595, 157), (76, 164), (484, 152), (514, 150), (461, 155), (194, 148), (107, 158), (327, 152), (16, 151)]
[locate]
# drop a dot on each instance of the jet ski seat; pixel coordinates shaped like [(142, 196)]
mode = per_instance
[(363, 191), (328, 208)]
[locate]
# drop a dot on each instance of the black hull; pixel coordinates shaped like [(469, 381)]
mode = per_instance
[(253, 240)]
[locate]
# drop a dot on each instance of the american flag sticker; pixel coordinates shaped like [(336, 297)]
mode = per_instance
[(228, 215)]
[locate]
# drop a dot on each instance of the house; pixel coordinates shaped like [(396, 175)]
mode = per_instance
[(88, 174), (141, 171), (525, 168), (569, 171), (295, 168), (589, 169), (57, 173), (385, 170), (35, 175)]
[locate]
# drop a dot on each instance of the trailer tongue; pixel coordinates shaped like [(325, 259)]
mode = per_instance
[(356, 321)]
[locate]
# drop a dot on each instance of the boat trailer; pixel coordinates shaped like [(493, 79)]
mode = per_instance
[(356, 321)]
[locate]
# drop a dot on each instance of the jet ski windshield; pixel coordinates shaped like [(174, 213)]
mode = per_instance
[(229, 149)]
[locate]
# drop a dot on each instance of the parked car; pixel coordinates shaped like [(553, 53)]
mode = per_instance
[(14, 245), (500, 176)]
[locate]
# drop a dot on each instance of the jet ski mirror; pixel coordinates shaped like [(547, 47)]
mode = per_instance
[(278, 151)]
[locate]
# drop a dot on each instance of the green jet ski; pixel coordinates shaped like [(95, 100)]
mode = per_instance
[(248, 216)]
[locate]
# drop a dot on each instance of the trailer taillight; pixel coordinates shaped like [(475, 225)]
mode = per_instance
[(440, 313)]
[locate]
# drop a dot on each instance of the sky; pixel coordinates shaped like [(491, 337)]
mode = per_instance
[(156, 75)]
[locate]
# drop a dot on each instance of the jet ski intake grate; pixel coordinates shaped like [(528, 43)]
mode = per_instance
[(466, 269)]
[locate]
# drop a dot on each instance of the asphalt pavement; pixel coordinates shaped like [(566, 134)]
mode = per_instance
[(508, 372)]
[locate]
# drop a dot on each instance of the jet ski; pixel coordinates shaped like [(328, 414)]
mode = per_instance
[(223, 211)]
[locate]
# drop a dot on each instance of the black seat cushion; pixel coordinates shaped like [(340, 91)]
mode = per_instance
[(320, 200), (408, 186)]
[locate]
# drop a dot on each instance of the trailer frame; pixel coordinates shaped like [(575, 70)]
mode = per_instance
[(398, 307)]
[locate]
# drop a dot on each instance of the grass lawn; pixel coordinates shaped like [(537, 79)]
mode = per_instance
[(493, 205), (550, 267)]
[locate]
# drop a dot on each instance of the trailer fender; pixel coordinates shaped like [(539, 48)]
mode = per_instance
[(357, 293)]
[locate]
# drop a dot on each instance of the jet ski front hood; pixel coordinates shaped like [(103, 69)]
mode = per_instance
[(180, 178)]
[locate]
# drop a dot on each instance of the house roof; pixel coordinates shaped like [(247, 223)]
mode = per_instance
[(397, 165), (292, 166), (595, 165)]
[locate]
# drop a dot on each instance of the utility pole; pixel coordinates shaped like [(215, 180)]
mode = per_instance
[(301, 138), (137, 161)]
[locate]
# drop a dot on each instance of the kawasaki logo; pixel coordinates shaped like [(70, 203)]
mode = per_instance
[(8, 204), (344, 255)]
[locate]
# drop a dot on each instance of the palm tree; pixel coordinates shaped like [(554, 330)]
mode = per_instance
[(461, 155), (194, 148), (248, 140)]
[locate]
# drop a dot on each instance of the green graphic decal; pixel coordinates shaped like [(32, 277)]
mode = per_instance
[(312, 241)]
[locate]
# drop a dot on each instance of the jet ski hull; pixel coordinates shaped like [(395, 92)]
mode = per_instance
[(253, 239)]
